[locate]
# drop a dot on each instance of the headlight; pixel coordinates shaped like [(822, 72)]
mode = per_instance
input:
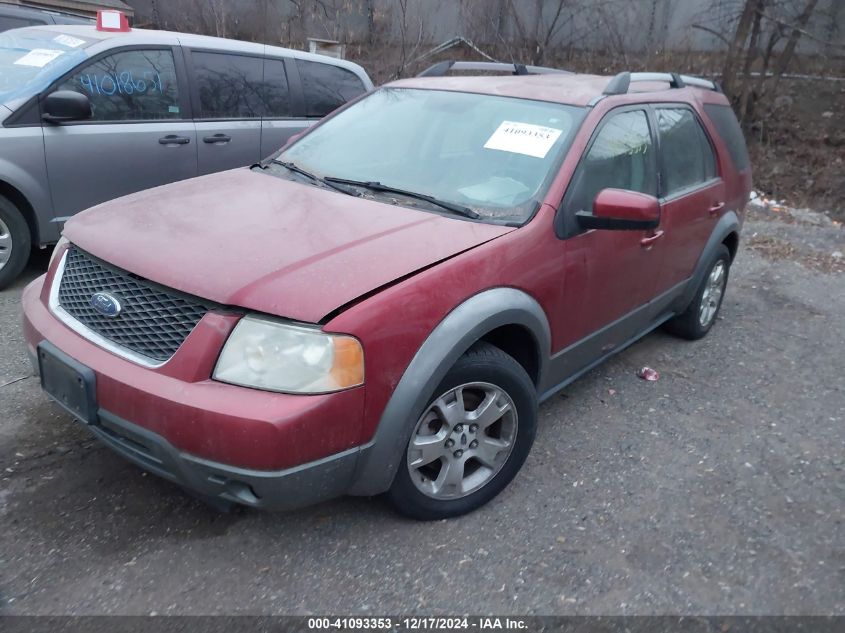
[(276, 356)]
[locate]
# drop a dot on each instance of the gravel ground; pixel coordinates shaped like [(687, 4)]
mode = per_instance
[(717, 490)]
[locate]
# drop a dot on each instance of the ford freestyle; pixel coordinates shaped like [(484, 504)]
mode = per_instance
[(381, 306)]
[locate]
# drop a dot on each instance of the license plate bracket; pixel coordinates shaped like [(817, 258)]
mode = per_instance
[(67, 381)]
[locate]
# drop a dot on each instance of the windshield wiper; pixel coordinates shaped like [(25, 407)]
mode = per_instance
[(325, 181), (457, 209)]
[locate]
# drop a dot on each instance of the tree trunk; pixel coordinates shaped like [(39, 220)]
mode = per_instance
[(792, 42), (746, 92), (737, 45)]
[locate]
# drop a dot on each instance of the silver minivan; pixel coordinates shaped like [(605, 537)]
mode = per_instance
[(89, 115)]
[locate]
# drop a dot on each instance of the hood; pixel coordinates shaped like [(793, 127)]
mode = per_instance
[(249, 239)]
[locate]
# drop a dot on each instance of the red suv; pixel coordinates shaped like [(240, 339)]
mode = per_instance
[(381, 306)]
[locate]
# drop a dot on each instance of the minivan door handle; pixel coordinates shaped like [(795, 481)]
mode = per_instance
[(217, 138), (172, 139)]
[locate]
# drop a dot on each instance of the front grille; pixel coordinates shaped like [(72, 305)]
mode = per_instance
[(153, 321)]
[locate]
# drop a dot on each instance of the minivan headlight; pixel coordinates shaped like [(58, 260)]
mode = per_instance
[(276, 356)]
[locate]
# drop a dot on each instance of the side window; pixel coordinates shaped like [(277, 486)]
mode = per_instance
[(229, 86), (327, 87), (134, 85), (8, 22), (276, 93), (620, 157), (687, 156)]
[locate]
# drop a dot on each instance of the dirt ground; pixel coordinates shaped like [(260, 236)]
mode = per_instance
[(718, 489)]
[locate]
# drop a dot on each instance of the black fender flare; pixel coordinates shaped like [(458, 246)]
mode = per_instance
[(727, 224), (482, 313)]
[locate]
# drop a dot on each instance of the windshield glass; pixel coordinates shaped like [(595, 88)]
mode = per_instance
[(492, 154), (30, 59)]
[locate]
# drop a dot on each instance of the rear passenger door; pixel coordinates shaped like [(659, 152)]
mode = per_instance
[(139, 135), (692, 193), (228, 105)]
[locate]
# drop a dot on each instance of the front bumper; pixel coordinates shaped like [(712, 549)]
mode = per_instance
[(277, 490), (262, 449)]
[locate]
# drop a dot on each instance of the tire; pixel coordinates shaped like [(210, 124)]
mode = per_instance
[(15, 242), (446, 443), (695, 322)]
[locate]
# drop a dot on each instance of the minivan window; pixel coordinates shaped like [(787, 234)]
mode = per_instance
[(7, 22), (493, 154), (327, 87), (688, 159), (276, 92), (229, 86), (132, 85), (31, 59)]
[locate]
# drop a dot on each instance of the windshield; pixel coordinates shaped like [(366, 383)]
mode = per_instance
[(30, 59), (494, 155)]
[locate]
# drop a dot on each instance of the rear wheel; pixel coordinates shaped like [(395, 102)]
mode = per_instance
[(15, 242), (701, 314), (471, 440)]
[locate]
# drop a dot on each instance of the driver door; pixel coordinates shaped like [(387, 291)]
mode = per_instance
[(610, 274), (140, 135)]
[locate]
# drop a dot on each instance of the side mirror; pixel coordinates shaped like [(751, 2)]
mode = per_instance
[(66, 105), (621, 210)]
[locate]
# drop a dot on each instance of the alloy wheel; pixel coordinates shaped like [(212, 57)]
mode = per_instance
[(462, 440), (714, 288), (5, 244)]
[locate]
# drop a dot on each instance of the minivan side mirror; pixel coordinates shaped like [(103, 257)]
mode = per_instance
[(621, 210), (66, 105)]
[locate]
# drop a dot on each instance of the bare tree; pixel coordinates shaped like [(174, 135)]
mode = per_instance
[(540, 25)]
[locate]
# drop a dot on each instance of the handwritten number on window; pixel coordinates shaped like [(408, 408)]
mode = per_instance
[(123, 83)]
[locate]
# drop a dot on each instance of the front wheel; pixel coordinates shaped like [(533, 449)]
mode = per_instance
[(471, 439), (14, 242)]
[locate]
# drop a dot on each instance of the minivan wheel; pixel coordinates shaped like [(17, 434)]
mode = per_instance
[(14, 242), (471, 439), (701, 314)]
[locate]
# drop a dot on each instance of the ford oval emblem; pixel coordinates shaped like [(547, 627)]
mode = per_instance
[(106, 304)]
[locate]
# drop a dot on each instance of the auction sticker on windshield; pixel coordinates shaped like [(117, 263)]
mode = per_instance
[(523, 138), (39, 57), (67, 40)]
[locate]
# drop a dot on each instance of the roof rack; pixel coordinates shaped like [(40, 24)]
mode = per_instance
[(620, 83), (441, 68)]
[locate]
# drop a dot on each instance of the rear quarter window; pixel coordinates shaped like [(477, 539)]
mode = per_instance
[(327, 87), (728, 128)]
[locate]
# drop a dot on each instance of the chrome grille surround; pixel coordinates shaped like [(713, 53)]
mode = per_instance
[(153, 323)]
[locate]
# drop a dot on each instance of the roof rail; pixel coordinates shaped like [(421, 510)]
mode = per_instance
[(620, 84), (441, 68)]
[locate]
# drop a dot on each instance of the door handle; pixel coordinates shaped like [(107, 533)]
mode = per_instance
[(217, 138), (716, 208), (172, 139), (647, 242)]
